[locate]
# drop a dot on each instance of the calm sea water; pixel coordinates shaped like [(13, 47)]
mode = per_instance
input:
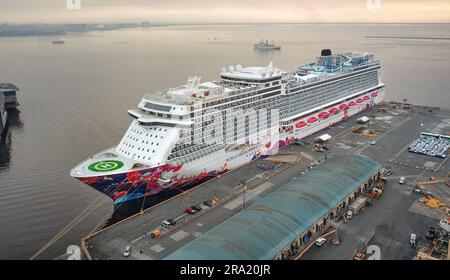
[(74, 99)]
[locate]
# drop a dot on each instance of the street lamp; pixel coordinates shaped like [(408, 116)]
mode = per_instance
[(245, 189)]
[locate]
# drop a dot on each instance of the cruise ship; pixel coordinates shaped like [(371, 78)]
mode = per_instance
[(183, 136)]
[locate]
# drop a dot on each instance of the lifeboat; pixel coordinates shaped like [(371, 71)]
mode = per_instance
[(374, 94), (300, 124), (343, 106), (289, 128), (333, 111), (359, 100), (366, 97), (323, 115), (353, 103), (312, 119)]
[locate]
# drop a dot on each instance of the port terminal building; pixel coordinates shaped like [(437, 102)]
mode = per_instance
[(280, 225)]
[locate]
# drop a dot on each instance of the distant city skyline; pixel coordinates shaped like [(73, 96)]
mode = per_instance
[(230, 11)]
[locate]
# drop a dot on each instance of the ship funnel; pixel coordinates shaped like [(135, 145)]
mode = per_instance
[(325, 52)]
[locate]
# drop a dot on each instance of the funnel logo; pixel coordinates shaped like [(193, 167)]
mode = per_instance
[(73, 4), (374, 4)]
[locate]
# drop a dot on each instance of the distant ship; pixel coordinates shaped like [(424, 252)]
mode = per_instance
[(58, 42), (168, 147), (8, 100), (266, 46)]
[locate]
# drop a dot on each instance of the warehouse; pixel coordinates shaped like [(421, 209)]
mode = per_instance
[(279, 225)]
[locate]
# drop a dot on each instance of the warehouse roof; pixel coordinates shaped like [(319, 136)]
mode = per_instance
[(262, 230)]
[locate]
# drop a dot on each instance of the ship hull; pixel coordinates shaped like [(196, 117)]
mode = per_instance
[(147, 184)]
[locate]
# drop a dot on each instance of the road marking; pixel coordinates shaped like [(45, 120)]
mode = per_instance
[(157, 248), (179, 235)]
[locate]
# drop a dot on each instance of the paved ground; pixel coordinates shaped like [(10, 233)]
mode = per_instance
[(390, 217)]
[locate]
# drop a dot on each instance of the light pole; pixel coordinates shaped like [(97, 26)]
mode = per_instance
[(245, 189)]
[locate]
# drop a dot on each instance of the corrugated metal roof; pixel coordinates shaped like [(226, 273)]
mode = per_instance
[(272, 223)]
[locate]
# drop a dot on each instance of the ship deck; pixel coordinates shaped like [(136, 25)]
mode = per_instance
[(397, 130)]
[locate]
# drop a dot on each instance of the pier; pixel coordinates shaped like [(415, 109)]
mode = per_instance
[(388, 222)]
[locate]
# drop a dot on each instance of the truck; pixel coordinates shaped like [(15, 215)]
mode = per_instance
[(359, 203)]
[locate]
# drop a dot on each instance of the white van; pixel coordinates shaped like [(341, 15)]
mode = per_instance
[(320, 241), (402, 180), (349, 215), (412, 240)]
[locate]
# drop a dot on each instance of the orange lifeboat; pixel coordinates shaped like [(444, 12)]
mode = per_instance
[(353, 103), (374, 94), (359, 100), (366, 97), (300, 124)]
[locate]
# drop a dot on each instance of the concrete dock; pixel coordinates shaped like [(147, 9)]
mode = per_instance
[(391, 217)]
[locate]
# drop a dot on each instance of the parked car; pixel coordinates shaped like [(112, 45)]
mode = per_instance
[(126, 252), (349, 215), (208, 203), (320, 241), (166, 224), (402, 180), (197, 208), (190, 211), (412, 240), (373, 143)]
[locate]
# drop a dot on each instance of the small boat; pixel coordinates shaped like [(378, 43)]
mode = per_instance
[(333, 111), (353, 103), (359, 100), (266, 46), (323, 115), (374, 94), (58, 42), (343, 106), (300, 124), (366, 97), (312, 120)]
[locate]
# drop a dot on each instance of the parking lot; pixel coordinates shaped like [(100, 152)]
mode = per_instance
[(434, 146)]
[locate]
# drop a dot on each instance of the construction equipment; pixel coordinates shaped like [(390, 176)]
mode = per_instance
[(434, 180), (335, 240), (433, 202)]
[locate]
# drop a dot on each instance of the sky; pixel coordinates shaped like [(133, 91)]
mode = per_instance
[(224, 11)]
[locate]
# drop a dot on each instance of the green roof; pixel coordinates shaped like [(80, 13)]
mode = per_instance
[(269, 225)]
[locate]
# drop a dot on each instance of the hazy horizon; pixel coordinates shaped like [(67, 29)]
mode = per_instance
[(228, 12)]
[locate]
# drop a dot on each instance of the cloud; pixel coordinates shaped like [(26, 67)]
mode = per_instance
[(228, 11)]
